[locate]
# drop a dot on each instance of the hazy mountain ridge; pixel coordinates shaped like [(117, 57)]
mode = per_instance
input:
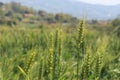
[(75, 8)]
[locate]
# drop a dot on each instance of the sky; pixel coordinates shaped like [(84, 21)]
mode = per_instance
[(103, 2)]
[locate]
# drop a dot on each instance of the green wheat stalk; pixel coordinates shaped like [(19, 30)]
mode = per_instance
[(29, 63), (56, 56), (79, 42)]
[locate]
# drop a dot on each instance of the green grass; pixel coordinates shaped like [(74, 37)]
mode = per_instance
[(50, 54)]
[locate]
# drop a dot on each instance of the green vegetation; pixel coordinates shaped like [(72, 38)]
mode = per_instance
[(42, 46), (39, 54), (13, 14)]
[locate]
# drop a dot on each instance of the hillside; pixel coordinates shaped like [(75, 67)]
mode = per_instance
[(74, 8), (17, 12)]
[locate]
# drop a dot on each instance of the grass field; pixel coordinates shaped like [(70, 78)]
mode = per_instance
[(58, 54)]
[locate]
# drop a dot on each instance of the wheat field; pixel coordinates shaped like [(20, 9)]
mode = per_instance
[(58, 54)]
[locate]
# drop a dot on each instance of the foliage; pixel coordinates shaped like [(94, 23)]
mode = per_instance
[(38, 54)]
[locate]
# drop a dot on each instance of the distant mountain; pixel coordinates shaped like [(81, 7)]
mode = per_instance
[(74, 8)]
